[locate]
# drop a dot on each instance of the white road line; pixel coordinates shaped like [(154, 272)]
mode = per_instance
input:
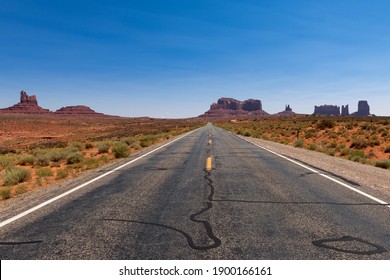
[(323, 175), (29, 211)]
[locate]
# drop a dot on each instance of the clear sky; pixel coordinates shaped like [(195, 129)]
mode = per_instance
[(173, 58)]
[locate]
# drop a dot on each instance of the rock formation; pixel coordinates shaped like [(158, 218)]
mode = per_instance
[(25, 99), (345, 110), (27, 105), (327, 110), (230, 107), (363, 109), (77, 110), (288, 112)]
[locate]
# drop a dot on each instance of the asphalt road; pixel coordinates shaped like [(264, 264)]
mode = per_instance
[(251, 205)]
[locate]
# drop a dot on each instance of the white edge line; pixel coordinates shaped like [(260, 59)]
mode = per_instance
[(321, 174), (43, 204)]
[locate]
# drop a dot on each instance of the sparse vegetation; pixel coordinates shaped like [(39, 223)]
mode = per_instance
[(84, 144), (365, 140)]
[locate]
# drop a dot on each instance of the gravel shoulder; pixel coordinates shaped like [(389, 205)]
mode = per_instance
[(372, 180)]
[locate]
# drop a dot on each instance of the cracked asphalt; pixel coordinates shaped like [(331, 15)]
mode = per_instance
[(251, 204)]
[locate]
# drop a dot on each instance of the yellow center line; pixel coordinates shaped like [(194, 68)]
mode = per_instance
[(209, 164)]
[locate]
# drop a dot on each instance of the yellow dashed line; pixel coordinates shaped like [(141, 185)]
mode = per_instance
[(209, 164)]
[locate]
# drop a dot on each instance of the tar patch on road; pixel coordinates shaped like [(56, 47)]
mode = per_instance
[(351, 245)]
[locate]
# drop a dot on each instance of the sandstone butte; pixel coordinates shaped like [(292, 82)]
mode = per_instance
[(29, 105), (230, 107)]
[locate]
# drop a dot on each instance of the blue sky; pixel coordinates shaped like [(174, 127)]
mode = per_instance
[(174, 58)]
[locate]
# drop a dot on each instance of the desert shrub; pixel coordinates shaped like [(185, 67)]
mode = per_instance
[(339, 147), (104, 159), (330, 152), (130, 141), (120, 150), (44, 172), (344, 151), (312, 146), (42, 159), (387, 149), (4, 151), (299, 143), (80, 146), (350, 125), (103, 148), (61, 174), (356, 155), (332, 145), (21, 189), (88, 145), (56, 155), (5, 193), (374, 141), (145, 143), (333, 135), (15, 175), (91, 163), (74, 157), (247, 133), (311, 133), (358, 143), (26, 160), (383, 163), (324, 124), (6, 162)]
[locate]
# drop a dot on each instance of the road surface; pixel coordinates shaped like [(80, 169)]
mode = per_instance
[(209, 195)]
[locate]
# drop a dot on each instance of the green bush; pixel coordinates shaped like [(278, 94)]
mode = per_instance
[(312, 146), (26, 160), (74, 157), (356, 155), (358, 144), (383, 164), (91, 163), (5, 194), (299, 143), (56, 155), (15, 175), (42, 159), (6, 162), (61, 174), (44, 172), (120, 150), (323, 124), (103, 148), (78, 145)]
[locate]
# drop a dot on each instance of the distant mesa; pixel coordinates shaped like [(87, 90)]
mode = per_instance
[(77, 110), (363, 110), (230, 107), (29, 105)]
